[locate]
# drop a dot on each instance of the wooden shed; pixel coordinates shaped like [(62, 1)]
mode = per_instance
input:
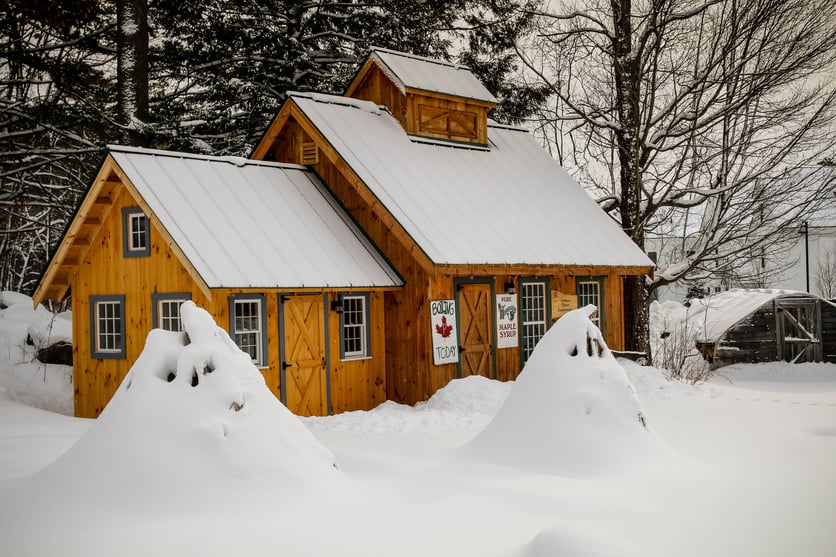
[(746, 326), (262, 246), (376, 246), (493, 238)]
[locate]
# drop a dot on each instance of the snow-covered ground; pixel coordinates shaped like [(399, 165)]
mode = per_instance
[(588, 457)]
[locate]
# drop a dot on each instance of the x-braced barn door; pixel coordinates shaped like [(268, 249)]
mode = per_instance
[(475, 314), (304, 376), (799, 330)]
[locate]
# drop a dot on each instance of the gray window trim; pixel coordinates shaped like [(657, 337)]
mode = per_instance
[(158, 297), (262, 304), (367, 329), (127, 213), (94, 327)]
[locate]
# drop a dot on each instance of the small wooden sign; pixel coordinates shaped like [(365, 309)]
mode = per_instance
[(562, 304)]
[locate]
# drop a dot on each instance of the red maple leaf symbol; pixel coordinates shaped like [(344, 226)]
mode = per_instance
[(444, 329)]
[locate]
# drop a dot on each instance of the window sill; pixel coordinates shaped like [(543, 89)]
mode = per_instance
[(355, 358)]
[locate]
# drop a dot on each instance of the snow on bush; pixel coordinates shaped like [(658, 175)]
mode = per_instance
[(673, 342), (572, 410), (23, 331)]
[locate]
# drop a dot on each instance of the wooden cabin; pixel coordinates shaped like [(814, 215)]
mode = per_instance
[(376, 246), (493, 239), (748, 326), (262, 246)]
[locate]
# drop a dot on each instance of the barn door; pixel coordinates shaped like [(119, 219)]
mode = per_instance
[(304, 366), (475, 311), (799, 330)]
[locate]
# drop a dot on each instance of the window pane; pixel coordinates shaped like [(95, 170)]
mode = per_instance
[(137, 228), (108, 326), (247, 322), (534, 324), (354, 331), (169, 315), (589, 293)]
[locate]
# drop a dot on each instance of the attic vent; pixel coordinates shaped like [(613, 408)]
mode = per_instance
[(308, 153)]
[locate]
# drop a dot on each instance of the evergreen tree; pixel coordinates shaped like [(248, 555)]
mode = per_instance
[(52, 93)]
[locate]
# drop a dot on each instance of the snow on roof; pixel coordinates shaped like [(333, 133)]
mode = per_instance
[(245, 223), (427, 74), (510, 204), (712, 316)]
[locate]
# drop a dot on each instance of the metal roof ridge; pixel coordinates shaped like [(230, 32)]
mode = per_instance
[(421, 58), (230, 159)]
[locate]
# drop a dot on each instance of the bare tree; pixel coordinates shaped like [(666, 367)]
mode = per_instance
[(693, 114), (826, 275)]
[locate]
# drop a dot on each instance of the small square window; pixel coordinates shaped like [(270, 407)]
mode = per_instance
[(107, 326), (136, 234), (166, 310), (354, 327), (247, 327)]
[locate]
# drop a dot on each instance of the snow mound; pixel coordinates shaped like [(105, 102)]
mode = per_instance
[(50, 329), (580, 541), (572, 410), (192, 412), (466, 404)]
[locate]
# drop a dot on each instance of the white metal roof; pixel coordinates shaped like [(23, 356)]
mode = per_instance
[(246, 223), (417, 72), (509, 204)]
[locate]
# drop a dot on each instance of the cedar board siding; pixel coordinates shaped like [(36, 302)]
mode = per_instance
[(376, 87), (104, 271), (410, 374), (355, 384)]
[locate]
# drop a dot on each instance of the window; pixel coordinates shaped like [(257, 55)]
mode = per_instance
[(107, 326), (591, 291), (354, 326), (166, 310), (136, 239), (246, 316), (533, 315)]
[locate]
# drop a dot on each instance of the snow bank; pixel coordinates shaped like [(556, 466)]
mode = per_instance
[(466, 404), (23, 378), (572, 411)]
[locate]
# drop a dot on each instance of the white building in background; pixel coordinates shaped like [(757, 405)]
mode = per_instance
[(808, 263)]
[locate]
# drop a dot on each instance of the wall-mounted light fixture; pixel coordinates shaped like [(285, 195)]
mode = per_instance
[(509, 287), (337, 305)]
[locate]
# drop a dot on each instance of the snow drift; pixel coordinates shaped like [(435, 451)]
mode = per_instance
[(192, 412), (572, 411)]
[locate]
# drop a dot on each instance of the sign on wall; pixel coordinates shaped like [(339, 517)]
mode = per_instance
[(506, 321), (445, 337), (562, 304)]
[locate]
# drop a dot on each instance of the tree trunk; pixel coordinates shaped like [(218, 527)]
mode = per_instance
[(627, 74), (132, 70)]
